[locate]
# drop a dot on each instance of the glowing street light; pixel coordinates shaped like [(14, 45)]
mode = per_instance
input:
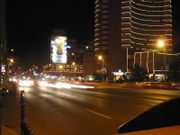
[(61, 67), (161, 44), (11, 60), (100, 57), (73, 63)]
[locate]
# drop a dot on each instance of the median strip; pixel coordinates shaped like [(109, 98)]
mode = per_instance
[(99, 114)]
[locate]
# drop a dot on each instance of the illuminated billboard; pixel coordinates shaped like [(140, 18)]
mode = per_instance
[(58, 49)]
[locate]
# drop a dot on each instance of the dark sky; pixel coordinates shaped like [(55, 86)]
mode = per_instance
[(30, 22)]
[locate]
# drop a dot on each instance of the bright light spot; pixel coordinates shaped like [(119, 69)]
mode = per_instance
[(43, 83), (100, 57), (73, 63), (25, 89), (61, 67), (26, 83), (13, 79), (160, 43), (63, 85)]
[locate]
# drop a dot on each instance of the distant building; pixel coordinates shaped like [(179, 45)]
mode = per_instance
[(66, 57), (89, 59), (144, 22), (108, 34), (89, 65), (124, 27), (155, 62), (74, 53)]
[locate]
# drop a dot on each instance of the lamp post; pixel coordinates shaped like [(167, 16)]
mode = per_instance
[(103, 68), (100, 58), (162, 45), (10, 63), (73, 63)]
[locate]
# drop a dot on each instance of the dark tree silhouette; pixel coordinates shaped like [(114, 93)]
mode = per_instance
[(138, 74), (174, 71)]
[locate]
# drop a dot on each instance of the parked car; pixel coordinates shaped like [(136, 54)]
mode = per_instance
[(163, 119)]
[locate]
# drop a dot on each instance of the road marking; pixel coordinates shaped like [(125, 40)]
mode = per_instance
[(99, 114)]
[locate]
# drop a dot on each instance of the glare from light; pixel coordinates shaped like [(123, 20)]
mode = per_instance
[(100, 57), (160, 43), (25, 89), (73, 63), (11, 60), (13, 79), (61, 67), (43, 83), (26, 83), (60, 85)]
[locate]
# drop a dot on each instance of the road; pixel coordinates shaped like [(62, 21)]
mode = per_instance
[(95, 111)]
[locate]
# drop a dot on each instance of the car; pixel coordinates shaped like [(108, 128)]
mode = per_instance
[(163, 119)]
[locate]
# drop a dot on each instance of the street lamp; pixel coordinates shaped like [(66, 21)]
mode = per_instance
[(60, 67), (73, 63), (11, 60), (100, 58), (161, 44), (103, 68)]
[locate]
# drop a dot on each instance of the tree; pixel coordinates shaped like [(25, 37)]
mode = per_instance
[(174, 71), (138, 74)]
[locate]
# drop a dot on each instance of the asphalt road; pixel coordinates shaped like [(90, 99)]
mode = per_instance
[(95, 111)]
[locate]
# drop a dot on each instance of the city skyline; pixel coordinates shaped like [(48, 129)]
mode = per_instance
[(30, 24)]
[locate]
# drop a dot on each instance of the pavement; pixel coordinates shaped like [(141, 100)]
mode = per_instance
[(95, 111), (147, 85), (10, 112), (10, 109)]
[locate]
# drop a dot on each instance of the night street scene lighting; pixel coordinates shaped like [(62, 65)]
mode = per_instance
[(102, 67)]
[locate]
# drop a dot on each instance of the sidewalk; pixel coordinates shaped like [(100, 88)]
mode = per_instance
[(10, 112)]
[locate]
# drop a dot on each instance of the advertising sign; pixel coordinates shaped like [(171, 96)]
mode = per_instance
[(3, 68), (58, 49)]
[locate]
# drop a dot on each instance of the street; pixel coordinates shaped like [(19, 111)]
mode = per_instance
[(93, 111)]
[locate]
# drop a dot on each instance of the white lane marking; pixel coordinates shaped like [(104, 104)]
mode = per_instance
[(99, 114)]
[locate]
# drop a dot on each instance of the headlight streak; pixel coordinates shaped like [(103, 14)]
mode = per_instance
[(27, 83), (63, 85), (25, 89)]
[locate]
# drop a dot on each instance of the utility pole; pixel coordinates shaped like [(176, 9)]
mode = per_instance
[(3, 44), (3, 57)]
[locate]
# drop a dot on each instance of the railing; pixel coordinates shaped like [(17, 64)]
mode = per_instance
[(25, 128)]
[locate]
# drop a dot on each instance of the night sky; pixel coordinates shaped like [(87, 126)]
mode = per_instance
[(30, 23)]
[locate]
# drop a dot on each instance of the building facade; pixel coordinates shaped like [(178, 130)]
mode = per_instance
[(66, 57), (143, 22), (124, 27), (108, 34)]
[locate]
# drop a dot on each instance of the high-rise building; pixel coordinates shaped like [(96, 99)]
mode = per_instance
[(143, 22), (108, 34), (124, 26)]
